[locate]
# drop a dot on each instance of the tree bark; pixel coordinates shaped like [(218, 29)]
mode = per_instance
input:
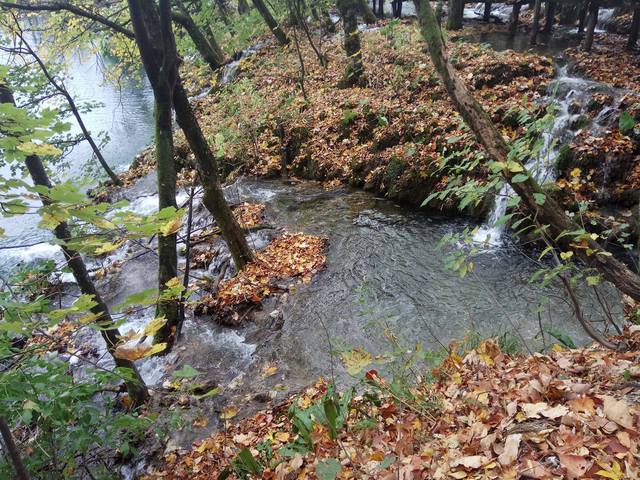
[(354, 74), (635, 28), (549, 15), (156, 44), (592, 20), (243, 7), (208, 48), (271, 22), (367, 14), (535, 24), (206, 163), (487, 12), (12, 450), (514, 19), (455, 13), (135, 386), (549, 213)]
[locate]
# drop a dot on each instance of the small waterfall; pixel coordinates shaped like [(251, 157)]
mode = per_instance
[(571, 98)]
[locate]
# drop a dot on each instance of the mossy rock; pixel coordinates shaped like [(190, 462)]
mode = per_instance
[(580, 122), (565, 158), (392, 174)]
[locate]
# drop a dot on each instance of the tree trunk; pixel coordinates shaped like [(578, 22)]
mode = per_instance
[(592, 20), (549, 213), (515, 19), (135, 385), (380, 8), (210, 52), (156, 44), (455, 13), (486, 16), (549, 15), (582, 17), (354, 75), (635, 28), (206, 162), (243, 7), (535, 24), (367, 14), (271, 22), (12, 451)]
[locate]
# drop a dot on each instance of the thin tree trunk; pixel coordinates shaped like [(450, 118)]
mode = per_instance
[(549, 213), (135, 385), (514, 19), (635, 28), (455, 13), (549, 15), (487, 12), (354, 74), (243, 7), (12, 450), (211, 52), (535, 24), (271, 22), (206, 163), (592, 20), (156, 44), (207, 167)]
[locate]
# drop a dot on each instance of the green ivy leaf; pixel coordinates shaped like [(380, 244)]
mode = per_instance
[(328, 469)]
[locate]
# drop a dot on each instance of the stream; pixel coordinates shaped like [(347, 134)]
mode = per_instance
[(384, 273)]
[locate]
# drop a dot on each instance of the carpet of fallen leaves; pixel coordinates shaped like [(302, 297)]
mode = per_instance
[(569, 414), (292, 256), (389, 136), (609, 62)]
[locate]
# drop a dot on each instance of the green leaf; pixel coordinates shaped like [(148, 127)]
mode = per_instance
[(540, 198), (564, 339), (519, 178), (245, 457), (186, 372), (387, 462), (626, 122), (328, 469), (211, 393), (331, 413)]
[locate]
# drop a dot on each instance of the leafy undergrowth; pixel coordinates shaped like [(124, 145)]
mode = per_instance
[(292, 256), (390, 136), (569, 414)]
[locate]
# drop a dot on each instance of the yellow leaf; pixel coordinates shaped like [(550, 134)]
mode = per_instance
[(228, 413), (153, 326), (566, 255), (138, 351), (171, 227), (576, 172), (556, 347), (355, 360), (107, 248), (174, 282), (269, 371)]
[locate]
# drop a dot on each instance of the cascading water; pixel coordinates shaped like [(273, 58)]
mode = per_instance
[(571, 95)]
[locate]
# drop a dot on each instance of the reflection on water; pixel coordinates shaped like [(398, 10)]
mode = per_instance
[(125, 113)]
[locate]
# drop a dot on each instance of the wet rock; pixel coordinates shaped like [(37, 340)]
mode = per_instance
[(574, 107), (579, 122), (598, 101)]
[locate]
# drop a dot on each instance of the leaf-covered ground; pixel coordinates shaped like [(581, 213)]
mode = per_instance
[(287, 260), (570, 414)]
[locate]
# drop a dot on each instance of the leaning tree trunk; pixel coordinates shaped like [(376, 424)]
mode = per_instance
[(535, 24), (514, 19), (156, 45), (135, 385), (354, 74), (12, 450), (208, 48), (635, 28), (549, 213), (206, 163), (271, 22), (592, 20), (455, 13)]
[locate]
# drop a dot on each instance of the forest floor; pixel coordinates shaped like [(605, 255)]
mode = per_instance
[(484, 414)]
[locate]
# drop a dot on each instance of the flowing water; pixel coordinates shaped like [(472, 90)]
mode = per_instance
[(384, 272)]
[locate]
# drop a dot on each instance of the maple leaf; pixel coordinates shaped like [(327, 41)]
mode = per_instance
[(356, 360)]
